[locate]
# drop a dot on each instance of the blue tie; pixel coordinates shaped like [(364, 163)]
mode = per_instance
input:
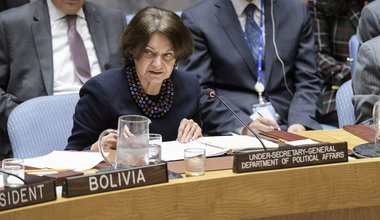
[(252, 31)]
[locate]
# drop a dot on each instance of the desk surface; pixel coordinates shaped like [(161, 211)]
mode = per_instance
[(334, 191), (333, 136)]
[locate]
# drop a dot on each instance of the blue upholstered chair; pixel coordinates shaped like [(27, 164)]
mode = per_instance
[(353, 46), (41, 125), (344, 106)]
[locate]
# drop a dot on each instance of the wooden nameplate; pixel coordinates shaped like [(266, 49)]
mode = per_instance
[(58, 177), (305, 155), (27, 195), (114, 180), (365, 132)]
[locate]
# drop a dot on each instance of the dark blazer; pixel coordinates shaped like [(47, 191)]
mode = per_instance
[(26, 60), (366, 81), (369, 22), (222, 61), (7, 4), (107, 96)]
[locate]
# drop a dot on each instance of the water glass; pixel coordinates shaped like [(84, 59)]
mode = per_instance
[(155, 142), (195, 162), (14, 166)]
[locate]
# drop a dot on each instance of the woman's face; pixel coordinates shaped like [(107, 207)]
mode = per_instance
[(157, 61)]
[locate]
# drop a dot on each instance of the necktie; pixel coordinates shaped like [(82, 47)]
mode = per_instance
[(78, 50), (252, 31)]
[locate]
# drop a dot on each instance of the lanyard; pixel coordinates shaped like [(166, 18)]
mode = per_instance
[(260, 52)]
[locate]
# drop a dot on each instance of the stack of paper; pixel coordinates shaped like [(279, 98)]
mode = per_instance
[(174, 150), (215, 146), (73, 160), (236, 142)]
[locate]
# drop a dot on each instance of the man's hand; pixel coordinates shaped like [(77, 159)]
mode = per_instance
[(261, 124), (296, 127)]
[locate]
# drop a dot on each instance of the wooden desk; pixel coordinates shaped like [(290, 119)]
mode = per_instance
[(333, 136), (335, 191)]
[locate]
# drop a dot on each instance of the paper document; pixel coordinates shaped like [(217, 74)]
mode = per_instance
[(237, 142), (174, 150), (263, 112), (74, 160), (301, 142)]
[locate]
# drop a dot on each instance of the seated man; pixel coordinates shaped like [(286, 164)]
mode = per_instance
[(366, 80), (229, 58), (45, 52), (334, 24)]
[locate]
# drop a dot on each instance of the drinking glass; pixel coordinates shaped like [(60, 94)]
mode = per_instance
[(155, 142), (14, 166), (195, 162)]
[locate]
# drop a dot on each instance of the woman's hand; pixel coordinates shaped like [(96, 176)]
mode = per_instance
[(109, 142), (261, 124), (188, 130)]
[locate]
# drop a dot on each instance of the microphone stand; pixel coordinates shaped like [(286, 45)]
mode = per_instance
[(213, 94)]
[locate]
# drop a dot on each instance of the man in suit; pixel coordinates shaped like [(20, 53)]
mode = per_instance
[(35, 56), (366, 81), (369, 22), (223, 60)]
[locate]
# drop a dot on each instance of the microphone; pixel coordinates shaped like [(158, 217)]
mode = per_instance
[(213, 94)]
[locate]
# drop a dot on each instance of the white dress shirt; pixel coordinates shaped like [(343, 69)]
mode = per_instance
[(66, 79)]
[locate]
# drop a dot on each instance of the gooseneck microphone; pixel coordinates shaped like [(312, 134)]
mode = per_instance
[(14, 175), (213, 94)]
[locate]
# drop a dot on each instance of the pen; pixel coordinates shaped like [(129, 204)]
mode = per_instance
[(270, 126), (46, 170)]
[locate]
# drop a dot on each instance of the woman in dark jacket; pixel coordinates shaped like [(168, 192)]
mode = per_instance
[(148, 84)]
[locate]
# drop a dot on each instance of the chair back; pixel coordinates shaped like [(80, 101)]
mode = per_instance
[(41, 125), (344, 106), (353, 46)]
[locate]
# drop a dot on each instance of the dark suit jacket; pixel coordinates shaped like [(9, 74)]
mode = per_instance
[(369, 22), (26, 60), (7, 4), (366, 81), (107, 96), (222, 61)]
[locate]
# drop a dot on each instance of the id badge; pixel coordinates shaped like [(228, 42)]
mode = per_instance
[(265, 110)]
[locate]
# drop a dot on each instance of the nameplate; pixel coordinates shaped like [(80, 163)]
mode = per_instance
[(313, 154), (114, 180), (27, 195)]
